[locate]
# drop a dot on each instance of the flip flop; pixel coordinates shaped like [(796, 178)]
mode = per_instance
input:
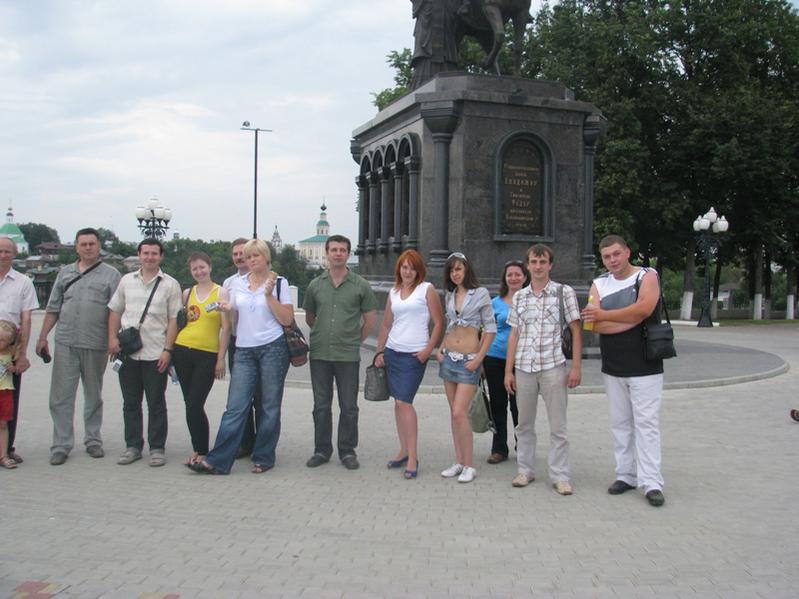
[(260, 468), (7, 463)]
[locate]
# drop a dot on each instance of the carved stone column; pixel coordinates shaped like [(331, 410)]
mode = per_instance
[(413, 167), (441, 118), (399, 201), (371, 244), (385, 209), (363, 213), (591, 130)]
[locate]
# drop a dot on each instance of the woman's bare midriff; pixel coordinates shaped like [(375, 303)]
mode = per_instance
[(463, 340)]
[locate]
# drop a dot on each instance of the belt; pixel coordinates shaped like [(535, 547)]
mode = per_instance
[(457, 356)]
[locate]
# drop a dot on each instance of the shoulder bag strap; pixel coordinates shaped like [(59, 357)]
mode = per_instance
[(81, 275), (149, 299), (662, 301), (560, 306)]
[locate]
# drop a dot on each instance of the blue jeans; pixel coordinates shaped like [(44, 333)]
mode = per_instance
[(265, 363)]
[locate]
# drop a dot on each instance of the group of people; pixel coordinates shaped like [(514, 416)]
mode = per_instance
[(514, 341)]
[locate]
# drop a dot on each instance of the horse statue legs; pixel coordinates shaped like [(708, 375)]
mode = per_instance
[(493, 14)]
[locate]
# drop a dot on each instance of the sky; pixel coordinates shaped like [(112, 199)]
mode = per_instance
[(106, 104)]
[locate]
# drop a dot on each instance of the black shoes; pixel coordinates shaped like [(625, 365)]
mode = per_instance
[(618, 487), (655, 498), (316, 459), (350, 462)]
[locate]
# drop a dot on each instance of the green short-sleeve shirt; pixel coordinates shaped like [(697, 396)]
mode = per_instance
[(336, 334)]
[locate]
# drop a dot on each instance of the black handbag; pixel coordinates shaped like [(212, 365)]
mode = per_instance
[(565, 329), (182, 319), (130, 338), (295, 340), (658, 337), (375, 388)]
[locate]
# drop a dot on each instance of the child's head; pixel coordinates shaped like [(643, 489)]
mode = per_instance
[(8, 334)]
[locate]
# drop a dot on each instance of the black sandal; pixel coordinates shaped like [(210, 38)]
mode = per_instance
[(260, 469), (795, 415), (204, 468)]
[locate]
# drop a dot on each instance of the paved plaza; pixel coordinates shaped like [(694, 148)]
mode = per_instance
[(92, 529)]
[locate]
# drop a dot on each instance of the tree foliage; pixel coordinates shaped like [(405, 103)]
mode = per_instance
[(36, 233)]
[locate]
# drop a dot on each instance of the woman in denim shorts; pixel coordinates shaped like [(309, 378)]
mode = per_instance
[(406, 339), (470, 330)]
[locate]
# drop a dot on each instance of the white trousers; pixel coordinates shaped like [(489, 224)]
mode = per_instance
[(635, 423), (551, 383)]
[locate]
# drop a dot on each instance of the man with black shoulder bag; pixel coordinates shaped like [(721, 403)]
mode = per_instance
[(142, 326), (626, 300)]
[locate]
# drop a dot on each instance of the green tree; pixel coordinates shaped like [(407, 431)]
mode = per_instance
[(36, 233)]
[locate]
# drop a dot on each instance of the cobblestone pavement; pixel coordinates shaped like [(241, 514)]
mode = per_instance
[(92, 529)]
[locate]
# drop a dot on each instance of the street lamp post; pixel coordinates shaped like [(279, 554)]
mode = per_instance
[(153, 219), (245, 126), (709, 229)]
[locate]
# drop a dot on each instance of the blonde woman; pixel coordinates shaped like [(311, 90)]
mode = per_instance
[(261, 358)]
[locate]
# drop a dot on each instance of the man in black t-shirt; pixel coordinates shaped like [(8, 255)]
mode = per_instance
[(625, 298)]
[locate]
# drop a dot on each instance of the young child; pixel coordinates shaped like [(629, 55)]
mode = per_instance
[(8, 336)]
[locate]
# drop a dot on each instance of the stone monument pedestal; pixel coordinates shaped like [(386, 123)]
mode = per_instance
[(483, 165)]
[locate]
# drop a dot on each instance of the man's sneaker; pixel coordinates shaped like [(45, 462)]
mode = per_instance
[(316, 459), (157, 458), (58, 458), (95, 451), (467, 475), (619, 487), (350, 462), (655, 497), (130, 455), (452, 471), (522, 480), (562, 487)]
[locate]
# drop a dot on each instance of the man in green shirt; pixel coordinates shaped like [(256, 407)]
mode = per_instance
[(340, 308)]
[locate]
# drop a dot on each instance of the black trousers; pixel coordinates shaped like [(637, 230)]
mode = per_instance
[(254, 415), (500, 399), (138, 379), (195, 369), (12, 424)]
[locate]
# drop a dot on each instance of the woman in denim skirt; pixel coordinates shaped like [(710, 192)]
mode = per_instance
[(470, 331), (404, 346), (262, 358)]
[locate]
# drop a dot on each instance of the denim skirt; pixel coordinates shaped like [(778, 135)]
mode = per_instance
[(455, 371), (405, 373)]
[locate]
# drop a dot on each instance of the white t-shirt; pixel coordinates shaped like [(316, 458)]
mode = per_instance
[(256, 324), (409, 332)]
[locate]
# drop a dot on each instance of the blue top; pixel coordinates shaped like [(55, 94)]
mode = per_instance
[(499, 348)]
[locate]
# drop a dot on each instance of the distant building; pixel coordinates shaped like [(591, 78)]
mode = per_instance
[(312, 250), (13, 232), (277, 242)]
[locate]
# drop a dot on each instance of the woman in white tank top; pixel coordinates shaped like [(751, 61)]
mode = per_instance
[(404, 346)]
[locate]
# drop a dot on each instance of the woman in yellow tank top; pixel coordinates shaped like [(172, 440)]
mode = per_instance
[(200, 349)]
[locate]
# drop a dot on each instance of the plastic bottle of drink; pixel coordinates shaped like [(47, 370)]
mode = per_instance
[(589, 326)]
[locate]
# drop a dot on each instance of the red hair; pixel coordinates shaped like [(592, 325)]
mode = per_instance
[(415, 260)]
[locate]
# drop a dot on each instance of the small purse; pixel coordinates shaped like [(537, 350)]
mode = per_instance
[(130, 338), (295, 340), (658, 337), (565, 329), (182, 319), (480, 410), (375, 388)]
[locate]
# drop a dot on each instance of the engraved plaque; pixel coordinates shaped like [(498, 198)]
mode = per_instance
[(522, 190)]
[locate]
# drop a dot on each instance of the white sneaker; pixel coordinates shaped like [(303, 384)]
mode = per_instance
[(453, 470), (467, 475)]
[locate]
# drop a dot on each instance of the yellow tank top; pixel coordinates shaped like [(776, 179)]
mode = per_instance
[(202, 331)]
